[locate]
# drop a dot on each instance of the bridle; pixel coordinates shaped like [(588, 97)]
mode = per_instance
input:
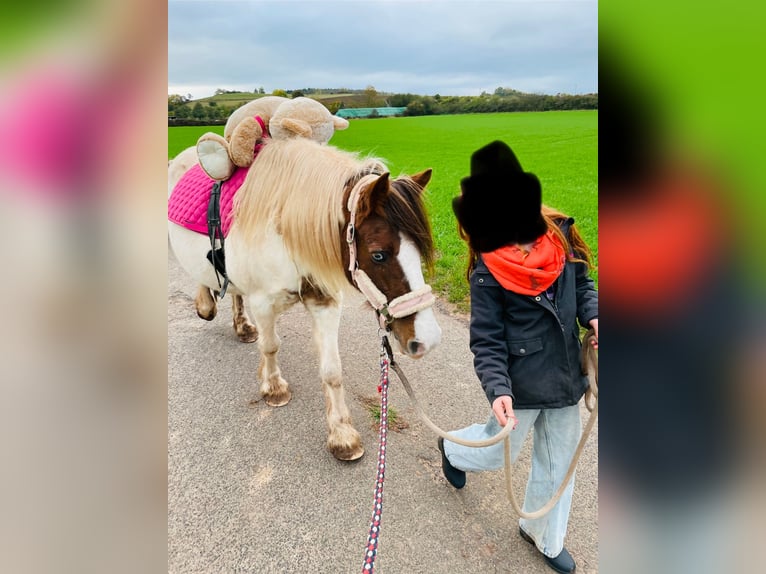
[(402, 306)]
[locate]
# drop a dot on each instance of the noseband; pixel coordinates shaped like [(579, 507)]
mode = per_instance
[(402, 306)]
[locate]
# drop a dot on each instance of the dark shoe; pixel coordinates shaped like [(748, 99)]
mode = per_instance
[(563, 563), (454, 476)]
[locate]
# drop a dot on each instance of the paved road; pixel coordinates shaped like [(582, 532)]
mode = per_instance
[(252, 488)]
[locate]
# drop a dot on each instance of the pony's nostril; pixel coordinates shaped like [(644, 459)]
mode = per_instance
[(416, 348)]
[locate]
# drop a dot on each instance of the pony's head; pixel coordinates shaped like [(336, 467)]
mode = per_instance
[(388, 239)]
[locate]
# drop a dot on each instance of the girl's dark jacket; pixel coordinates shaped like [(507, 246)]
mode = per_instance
[(526, 346)]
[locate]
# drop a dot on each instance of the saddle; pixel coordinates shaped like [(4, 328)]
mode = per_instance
[(189, 200), (205, 206)]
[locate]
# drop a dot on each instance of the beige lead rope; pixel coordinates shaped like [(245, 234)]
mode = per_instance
[(590, 367)]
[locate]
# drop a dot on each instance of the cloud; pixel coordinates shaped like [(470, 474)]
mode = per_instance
[(446, 47)]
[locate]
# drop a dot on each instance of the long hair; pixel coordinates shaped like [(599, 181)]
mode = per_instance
[(295, 187), (576, 249)]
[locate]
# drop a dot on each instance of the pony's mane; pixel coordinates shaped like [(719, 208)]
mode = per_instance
[(296, 187)]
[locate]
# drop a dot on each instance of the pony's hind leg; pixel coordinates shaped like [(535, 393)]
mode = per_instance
[(244, 328), (343, 440), (274, 388), (205, 304)]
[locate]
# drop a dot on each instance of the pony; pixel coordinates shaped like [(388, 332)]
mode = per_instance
[(308, 221)]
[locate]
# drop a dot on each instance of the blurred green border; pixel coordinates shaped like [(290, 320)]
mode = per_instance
[(703, 62)]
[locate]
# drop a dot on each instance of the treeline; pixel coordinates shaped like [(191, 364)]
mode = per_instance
[(492, 103), (182, 110)]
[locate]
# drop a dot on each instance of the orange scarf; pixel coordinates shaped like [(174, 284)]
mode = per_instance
[(527, 273), (659, 247)]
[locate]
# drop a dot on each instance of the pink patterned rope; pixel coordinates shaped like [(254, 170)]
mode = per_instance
[(371, 549)]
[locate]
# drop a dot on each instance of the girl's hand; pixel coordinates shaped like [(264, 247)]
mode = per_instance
[(594, 323), (503, 409)]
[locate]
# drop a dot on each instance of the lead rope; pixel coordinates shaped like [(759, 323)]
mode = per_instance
[(371, 550), (590, 367)]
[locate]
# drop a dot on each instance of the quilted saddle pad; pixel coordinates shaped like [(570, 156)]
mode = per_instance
[(187, 204)]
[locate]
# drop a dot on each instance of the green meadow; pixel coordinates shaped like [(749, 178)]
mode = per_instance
[(561, 148)]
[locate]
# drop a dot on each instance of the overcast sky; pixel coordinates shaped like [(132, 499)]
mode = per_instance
[(426, 47)]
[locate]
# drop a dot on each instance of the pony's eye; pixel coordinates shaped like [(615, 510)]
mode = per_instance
[(379, 256)]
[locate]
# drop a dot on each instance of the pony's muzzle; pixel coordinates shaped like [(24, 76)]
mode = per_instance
[(415, 349), (419, 337)]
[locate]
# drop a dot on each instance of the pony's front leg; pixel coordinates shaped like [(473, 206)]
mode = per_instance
[(274, 388), (343, 440)]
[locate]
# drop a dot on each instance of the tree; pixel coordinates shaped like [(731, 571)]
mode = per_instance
[(198, 111), (176, 100), (281, 93), (401, 100), (371, 94), (415, 108)]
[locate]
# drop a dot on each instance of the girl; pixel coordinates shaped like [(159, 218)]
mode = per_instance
[(528, 272)]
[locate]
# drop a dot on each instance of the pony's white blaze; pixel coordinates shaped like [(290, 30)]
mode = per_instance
[(427, 330)]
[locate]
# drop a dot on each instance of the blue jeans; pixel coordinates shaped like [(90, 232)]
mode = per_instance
[(556, 434)]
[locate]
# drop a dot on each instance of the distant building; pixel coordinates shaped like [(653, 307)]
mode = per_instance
[(351, 113)]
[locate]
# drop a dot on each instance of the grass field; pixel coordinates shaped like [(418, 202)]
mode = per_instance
[(561, 148)]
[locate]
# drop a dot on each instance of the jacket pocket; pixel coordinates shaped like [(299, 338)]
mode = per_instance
[(525, 348)]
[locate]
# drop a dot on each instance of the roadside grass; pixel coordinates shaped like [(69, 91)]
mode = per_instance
[(372, 405), (561, 148)]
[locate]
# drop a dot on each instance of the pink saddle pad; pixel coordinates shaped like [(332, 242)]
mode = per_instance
[(187, 204)]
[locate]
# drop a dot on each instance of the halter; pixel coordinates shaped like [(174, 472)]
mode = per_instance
[(402, 306)]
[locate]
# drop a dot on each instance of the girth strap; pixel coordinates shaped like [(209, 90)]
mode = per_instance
[(214, 231)]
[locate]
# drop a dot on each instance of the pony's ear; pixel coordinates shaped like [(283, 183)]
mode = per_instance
[(372, 198), (422, 178)]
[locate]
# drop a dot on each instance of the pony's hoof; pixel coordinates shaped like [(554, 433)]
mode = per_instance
[(247, 333), (278, 399), (204, 304), (207, 316), (345, 443), (347, 453)]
